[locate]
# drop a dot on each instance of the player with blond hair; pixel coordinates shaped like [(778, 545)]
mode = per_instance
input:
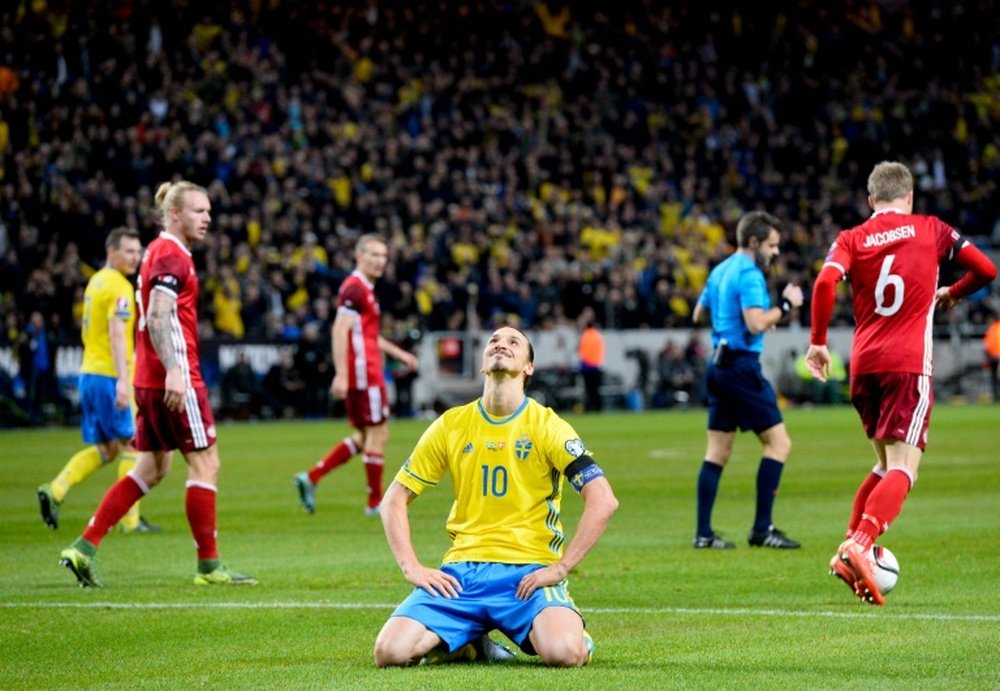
[(892, 261), (171, 396)]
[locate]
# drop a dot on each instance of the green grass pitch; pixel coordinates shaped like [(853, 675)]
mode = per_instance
[(662, 614)]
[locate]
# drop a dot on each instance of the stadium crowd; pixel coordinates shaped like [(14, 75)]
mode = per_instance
[(523, 158)]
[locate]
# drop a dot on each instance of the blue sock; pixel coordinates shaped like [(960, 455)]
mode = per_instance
[(768, 479), (708, 487)]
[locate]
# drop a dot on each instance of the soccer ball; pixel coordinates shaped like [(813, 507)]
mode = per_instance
[(885, 568)]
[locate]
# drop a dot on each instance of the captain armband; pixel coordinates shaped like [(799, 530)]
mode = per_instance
[(171, 284), (581, 471)]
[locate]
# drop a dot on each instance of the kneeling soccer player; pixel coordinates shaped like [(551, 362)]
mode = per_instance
[(507, 568)]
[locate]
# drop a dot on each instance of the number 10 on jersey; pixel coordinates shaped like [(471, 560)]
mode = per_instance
[(494, 480)]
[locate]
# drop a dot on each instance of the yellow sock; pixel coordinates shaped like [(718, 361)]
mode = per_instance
[(131, 519), (81, 466)]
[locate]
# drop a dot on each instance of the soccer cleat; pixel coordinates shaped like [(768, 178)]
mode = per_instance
[(713, 541), (483, 649), (487, 649), (143, 526), (772, 537), (222, 575), (307, 492), (82, 566), (855, 557), (590, 645), (373, 510), (846, 574), (49, 506)]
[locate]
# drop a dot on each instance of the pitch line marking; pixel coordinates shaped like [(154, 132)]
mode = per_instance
[(881, 614)]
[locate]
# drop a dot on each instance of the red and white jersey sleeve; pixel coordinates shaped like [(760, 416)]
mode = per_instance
[(892, 261), (167, 266), (364, 357)]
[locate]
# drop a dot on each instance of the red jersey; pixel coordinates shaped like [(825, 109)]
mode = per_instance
[(892, 261), (364, 357), (167, 266)]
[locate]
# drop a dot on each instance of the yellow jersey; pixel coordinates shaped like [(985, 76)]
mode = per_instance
[(108, 296), (507, 476)]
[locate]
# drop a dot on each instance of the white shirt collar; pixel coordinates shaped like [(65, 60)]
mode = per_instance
[(890, 210), (371, 286), (173, 238)]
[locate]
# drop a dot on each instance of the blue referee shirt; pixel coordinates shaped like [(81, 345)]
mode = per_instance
[(733, 286)]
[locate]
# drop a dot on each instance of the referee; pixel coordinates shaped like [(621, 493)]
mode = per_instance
[(736, 301)]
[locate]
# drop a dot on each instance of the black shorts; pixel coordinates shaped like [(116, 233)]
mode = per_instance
[(740, 396)]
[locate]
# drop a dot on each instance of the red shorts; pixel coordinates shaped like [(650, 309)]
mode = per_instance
[(894, 405), (367, 407), (160, 429)]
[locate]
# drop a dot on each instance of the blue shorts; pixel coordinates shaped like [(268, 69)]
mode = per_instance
[(740, 396), (487, 601), (101, 421)]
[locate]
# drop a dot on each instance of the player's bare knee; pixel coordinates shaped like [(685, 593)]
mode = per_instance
[(566, 656), (382, 656), (564, 651), (109, 450), (779, 448), (394, 653), (385, 652)]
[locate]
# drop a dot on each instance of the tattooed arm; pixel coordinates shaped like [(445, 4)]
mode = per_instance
[(161, 309)]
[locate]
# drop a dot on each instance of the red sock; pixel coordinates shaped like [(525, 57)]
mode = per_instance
[(374, 463), (199, 501), (861, 498), (115, 504), (339, 455), (883, 505)]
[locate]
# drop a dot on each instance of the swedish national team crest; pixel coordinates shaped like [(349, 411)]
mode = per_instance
[(522, 447)]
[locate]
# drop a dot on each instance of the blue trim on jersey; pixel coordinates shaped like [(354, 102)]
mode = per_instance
[(424, 481), (552, 519), (504, 421)]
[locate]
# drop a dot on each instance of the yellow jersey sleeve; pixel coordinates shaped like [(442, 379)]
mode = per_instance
[(428, 463), (108, 296)]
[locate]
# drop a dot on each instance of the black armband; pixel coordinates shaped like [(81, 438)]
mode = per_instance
[(786, 306), (581, 471), (167, 282)]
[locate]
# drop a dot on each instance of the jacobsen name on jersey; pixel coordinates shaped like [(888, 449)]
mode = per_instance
[(887, 236)]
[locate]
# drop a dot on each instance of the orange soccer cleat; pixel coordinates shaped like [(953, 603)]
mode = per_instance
[(855, 558)]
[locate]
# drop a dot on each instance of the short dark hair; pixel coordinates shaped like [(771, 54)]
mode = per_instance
[(755, 224), (114, 239)]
